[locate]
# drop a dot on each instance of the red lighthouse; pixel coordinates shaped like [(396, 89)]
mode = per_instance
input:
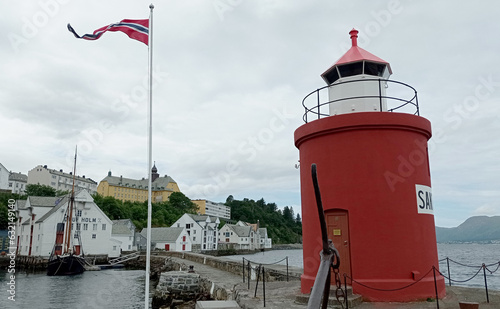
[(369, 142)]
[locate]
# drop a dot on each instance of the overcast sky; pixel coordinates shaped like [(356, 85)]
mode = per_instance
[(230, 76)]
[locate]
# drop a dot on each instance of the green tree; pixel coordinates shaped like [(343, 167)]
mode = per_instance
[(39, 190), (281, 226), (180, 201), (4, 216), (62, 192), (4, 210)]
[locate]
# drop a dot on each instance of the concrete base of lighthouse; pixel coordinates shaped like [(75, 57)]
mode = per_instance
[(371, 166)]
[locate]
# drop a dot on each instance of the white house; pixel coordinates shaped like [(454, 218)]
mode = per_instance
[(201, 229), (4, 178), (18, 182), (40, 216), (264, 241), (169, 238), (123, 231), (60, 180), (244, 237)]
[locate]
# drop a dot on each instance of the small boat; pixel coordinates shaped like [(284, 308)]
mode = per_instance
[(67, 257)]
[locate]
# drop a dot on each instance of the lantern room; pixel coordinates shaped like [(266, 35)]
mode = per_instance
[(357, 74)]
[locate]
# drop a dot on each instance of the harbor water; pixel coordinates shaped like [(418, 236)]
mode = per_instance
[(118, 288), (113, 288)]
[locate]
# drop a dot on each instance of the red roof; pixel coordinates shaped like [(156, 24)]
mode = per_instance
[(356, 53)]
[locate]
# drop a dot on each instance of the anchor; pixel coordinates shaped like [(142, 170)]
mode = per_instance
[(329, 258)]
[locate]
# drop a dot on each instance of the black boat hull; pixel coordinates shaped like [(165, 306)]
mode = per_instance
[(66, 265)]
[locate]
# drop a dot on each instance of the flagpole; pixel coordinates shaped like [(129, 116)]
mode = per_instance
[(150, 155)]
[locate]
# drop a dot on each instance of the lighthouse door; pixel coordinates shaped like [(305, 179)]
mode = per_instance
[(337, 222)]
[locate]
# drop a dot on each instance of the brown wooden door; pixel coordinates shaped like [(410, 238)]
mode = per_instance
[(337, 222)]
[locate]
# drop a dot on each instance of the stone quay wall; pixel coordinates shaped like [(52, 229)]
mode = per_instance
[(273, 273)]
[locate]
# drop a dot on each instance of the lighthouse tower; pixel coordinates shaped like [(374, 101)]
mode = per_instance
[(370, 148)]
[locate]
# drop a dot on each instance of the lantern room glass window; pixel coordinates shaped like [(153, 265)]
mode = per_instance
[(357, 68), (376, 69), (351, 69)]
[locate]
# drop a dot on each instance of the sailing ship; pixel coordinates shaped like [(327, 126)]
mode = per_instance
[(67, 256)]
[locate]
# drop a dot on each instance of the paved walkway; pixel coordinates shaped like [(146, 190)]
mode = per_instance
[(281, 294)]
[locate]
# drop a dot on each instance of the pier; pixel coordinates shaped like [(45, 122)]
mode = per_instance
[(223, 279)]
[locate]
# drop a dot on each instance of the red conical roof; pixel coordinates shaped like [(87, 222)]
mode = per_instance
[(356, 53)]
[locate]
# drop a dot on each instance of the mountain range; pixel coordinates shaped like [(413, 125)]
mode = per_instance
[(474, 229)]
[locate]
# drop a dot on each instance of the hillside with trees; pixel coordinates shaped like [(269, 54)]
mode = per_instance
[(283, 226)]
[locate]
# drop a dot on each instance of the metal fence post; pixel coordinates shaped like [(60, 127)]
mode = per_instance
[(380, 94), (486, 284), (257, 283), (264, 284), (449, 275), (435, 286), (287, 269), (319, 113), (243, 268), (248, 271)]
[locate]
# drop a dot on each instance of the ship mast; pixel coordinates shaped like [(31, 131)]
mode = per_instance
[(69, 219)]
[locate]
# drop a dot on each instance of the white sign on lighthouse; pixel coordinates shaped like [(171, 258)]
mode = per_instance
[(424, 199)]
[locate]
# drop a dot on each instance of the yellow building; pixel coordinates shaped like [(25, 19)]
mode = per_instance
[(127, 189)]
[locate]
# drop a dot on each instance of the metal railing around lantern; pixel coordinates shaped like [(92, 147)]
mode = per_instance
[(404, 99)]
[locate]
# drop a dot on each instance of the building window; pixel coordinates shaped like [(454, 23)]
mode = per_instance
[(94, 227), (103, 226), (94, 236), (114, 248), (194, 238), (85, 226), (194, 232), (78, 226), (78, 213)]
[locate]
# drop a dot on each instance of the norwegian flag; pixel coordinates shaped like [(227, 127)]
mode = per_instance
[(137, 29)]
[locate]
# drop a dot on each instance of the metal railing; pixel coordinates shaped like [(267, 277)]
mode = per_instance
[(317, 101), (258, 269)]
